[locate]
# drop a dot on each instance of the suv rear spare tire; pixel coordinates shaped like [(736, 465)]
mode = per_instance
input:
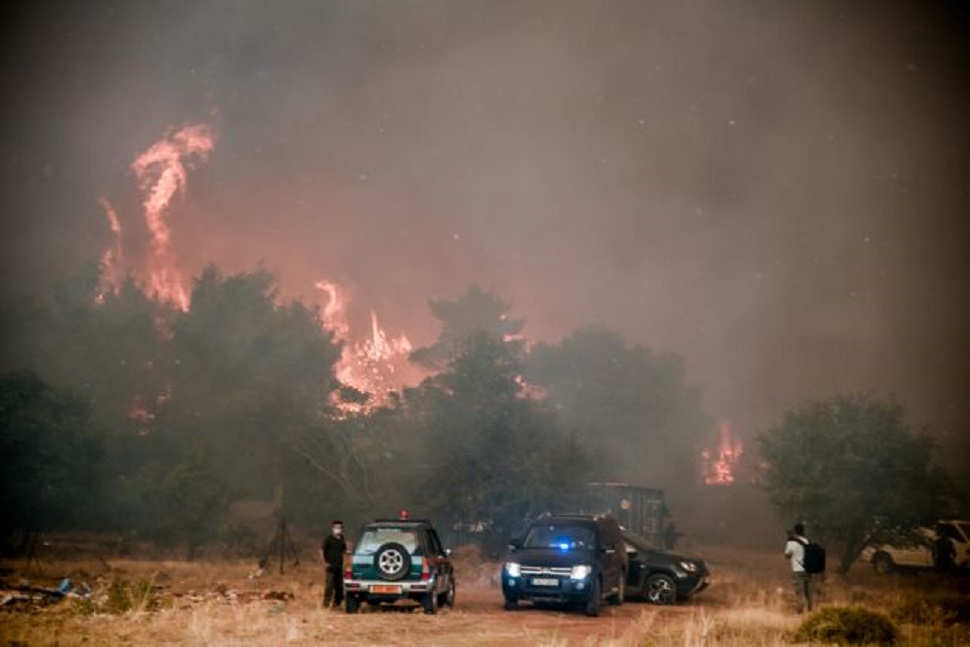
[(392, 561)]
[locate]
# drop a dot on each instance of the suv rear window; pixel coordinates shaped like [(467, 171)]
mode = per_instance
[(374, 538), (563, 536)]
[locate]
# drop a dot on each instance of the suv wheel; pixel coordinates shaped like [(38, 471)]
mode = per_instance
[(430, 603), (511, 603), (617, 598), (447, 599), (661, 589), (353, 603), (883, 564), (392, 561), (593, 604)]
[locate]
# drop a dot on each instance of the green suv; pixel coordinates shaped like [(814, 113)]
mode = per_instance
[(399, 559)]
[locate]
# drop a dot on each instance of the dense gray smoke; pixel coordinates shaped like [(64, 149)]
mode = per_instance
[(775, 191)]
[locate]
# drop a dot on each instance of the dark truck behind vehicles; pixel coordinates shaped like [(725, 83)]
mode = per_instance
[(578, 560), (637, 508)]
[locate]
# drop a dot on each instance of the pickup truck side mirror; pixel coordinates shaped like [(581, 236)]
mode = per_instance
[(515, 543)]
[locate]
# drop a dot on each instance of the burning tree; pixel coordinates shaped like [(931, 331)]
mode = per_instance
[(844, 463), (475, 310)]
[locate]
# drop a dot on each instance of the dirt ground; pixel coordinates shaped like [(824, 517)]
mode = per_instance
[(132, 601), (174, 603)]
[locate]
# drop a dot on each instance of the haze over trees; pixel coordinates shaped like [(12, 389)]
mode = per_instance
[(852, 470), (49, 456), (633, 404), (125, 415)]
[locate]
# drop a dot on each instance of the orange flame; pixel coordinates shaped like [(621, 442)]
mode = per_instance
[(112, 261), (719, 469), (162, 174), (334, 317), (371, 364)]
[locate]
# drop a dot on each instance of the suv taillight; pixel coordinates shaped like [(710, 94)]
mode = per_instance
[(425, 569)]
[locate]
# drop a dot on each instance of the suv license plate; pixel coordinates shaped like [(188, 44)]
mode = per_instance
[(545, 581), (386, 588)]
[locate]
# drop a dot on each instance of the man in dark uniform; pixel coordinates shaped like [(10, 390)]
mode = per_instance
[(332, 552), (944, 553)]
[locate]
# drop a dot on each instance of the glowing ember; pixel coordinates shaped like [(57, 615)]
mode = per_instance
[(719, 469), (162, 174), (112, 261), (370, 365)]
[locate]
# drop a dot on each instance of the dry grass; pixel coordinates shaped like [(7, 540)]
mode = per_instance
[(214, 603)]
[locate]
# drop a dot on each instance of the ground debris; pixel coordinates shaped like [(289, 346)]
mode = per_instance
[(25, 596), (232, 596)]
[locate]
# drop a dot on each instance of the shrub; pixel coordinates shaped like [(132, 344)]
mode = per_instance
[(847, 626), (919, 611), (123, 596)]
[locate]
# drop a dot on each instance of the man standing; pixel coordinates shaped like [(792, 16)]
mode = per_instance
[(332, 552), (801, 579), (944, 553)]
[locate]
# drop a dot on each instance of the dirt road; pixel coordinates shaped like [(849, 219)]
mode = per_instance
[(479, 618)]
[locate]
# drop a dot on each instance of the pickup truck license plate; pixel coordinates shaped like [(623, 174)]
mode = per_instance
[(545, 581)]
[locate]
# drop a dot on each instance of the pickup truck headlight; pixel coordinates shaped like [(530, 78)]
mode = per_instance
[(580, 572), (513, 569), (690, 567)]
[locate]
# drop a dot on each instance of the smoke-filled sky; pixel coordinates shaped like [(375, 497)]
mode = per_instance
[(775, 191)]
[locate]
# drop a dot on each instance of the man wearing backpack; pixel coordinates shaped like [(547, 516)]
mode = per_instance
[(801, 578)]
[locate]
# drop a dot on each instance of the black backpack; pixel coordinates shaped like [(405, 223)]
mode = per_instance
[(814, 560)]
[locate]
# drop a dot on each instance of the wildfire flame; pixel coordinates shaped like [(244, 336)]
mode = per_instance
[(334, 317), (371, 364), (719, 468), (112, 261), (162, 174)]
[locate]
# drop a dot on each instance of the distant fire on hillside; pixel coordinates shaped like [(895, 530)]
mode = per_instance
[(719, 467)]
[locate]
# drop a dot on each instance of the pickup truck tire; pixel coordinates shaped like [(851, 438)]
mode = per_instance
[(883, 564)]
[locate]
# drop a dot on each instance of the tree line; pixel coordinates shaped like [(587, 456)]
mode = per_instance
[(122, 414)]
